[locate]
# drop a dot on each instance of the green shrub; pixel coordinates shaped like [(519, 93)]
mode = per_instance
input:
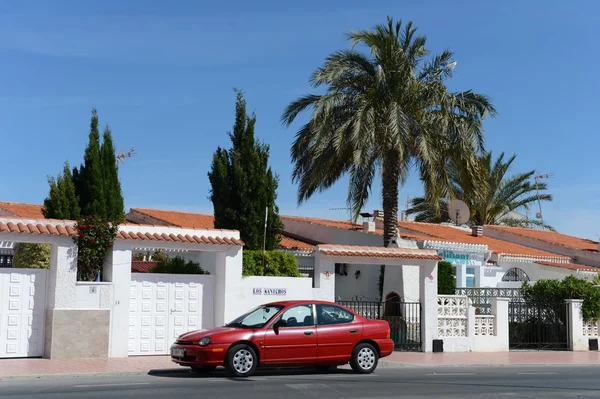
[(178, 265), (555, 292), (32, 256), (446, 278), (273, 263)]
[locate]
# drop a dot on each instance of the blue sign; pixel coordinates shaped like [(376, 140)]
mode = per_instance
[(454, 257)]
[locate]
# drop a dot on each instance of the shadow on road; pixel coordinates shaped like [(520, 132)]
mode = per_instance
[(222, 373)]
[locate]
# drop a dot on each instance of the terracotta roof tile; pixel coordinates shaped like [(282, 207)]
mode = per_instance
[(440, 232), (378, 252), (141, 266), (68, 229), (436, 232), (19, 209), (571, 266), (347, 225), (180, 219), (293, 243), (550, 237)]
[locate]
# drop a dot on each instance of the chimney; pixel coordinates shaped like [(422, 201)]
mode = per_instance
[(477, 231), (368, 225), (377, 213)]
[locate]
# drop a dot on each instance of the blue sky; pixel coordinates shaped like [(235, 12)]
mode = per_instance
[(161, 75)]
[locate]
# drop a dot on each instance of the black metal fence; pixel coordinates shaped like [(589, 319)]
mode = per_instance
[(541, 327), (482, 297), (404, 319)]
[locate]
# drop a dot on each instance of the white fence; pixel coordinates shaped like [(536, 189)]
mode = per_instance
[(462, 330)]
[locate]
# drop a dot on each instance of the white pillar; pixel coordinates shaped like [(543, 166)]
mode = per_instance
[(228, 276), (324, 278), (461, 275), (117, 270), (577, 341), (62, 276), (500, 312), (479, 273), (428, 278), (61, 293)]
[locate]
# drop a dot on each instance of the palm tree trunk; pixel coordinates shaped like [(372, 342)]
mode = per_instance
[(390, 178)]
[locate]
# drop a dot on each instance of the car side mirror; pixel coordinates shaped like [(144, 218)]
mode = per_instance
[(279, 323)]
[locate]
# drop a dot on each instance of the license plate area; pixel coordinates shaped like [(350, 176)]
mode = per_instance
[(177, 352)]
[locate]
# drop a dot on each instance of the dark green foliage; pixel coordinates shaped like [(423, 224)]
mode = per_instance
[(446, 279), (94, 188), (550, 293), (95, 237), (381, 111), (91, 177), (62, 201), (243, 185), (491, 194), (112, 187), (178, 265), (272, 263), (32, 256)]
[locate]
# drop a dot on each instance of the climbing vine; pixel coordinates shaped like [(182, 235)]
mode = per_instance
[(95, 236)]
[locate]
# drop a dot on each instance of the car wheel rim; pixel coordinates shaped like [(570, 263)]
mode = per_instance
[(243, 361), (366, 358)]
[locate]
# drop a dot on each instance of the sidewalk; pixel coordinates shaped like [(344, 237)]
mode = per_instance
[(145, 364)]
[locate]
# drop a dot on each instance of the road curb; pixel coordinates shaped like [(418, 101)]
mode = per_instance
[(155, 372)]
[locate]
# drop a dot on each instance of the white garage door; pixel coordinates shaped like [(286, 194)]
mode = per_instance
[(22, 312), (164, 306)]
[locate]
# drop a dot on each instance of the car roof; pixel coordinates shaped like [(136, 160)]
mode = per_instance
[(300, 302)]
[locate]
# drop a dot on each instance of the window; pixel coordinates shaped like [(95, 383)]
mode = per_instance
[(299, 316), (470, 277), (256, 318), (5, 260), (515, 274), (331, 314)]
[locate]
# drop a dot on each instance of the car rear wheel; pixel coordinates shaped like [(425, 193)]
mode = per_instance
[(241, 361), (203, 369), (364, 359)]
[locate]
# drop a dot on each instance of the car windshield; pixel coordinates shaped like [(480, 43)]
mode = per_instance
[(256, 318)]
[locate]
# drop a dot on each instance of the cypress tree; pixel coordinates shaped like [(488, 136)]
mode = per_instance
[(115, 208), (62, 201), (243, 185), (91, 182)]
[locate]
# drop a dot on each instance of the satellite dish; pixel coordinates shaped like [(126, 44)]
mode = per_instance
[(458, 212)]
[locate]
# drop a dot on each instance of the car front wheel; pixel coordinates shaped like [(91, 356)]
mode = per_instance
[(241, 361), (364, 359)]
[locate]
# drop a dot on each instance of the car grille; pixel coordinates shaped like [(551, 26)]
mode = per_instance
[(184, 342)]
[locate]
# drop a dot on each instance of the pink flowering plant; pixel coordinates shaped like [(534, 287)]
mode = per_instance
[(95, 237)]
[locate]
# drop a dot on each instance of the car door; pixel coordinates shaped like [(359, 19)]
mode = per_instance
[(338, 332), (294, 343)]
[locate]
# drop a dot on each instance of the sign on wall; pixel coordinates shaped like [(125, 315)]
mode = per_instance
[(454, 257), (269, 291)]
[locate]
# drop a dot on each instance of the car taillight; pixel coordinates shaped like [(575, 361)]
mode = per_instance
[(388, 334)]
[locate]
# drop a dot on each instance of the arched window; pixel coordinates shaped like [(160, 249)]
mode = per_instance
[(515, 274), (392, 305)]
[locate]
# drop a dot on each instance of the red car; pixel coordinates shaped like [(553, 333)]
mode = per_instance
[(289, 333)]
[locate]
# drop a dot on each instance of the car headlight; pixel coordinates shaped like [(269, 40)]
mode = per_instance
[(204, 341)]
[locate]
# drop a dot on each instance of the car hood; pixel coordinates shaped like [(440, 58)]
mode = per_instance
[(199, 334)]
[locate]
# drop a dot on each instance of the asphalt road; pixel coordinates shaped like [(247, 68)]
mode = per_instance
[(447, 382)]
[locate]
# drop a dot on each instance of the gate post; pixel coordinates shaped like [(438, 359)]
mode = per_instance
[(577, 341)]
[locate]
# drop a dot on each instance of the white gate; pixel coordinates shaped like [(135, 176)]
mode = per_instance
[(22, 312), (164, 306)]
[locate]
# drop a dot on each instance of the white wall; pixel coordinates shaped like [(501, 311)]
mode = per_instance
[(96, 295), (366, 286)]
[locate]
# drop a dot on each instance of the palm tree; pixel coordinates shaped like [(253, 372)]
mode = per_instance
[(385, 111), (491, 197)]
